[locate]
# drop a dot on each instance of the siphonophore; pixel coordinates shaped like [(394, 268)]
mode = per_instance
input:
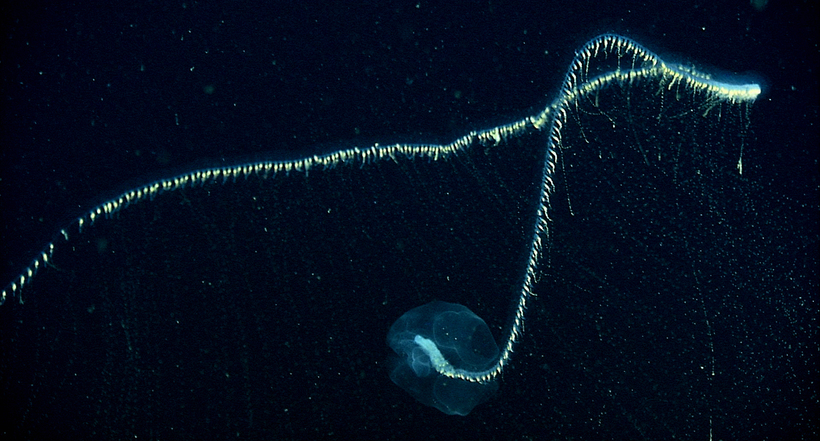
[(453, 386), (441, 336)]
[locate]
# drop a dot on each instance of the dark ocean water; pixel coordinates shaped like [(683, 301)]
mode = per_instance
[(677, 298)]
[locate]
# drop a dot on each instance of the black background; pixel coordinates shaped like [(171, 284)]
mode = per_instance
[(98, 98)]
